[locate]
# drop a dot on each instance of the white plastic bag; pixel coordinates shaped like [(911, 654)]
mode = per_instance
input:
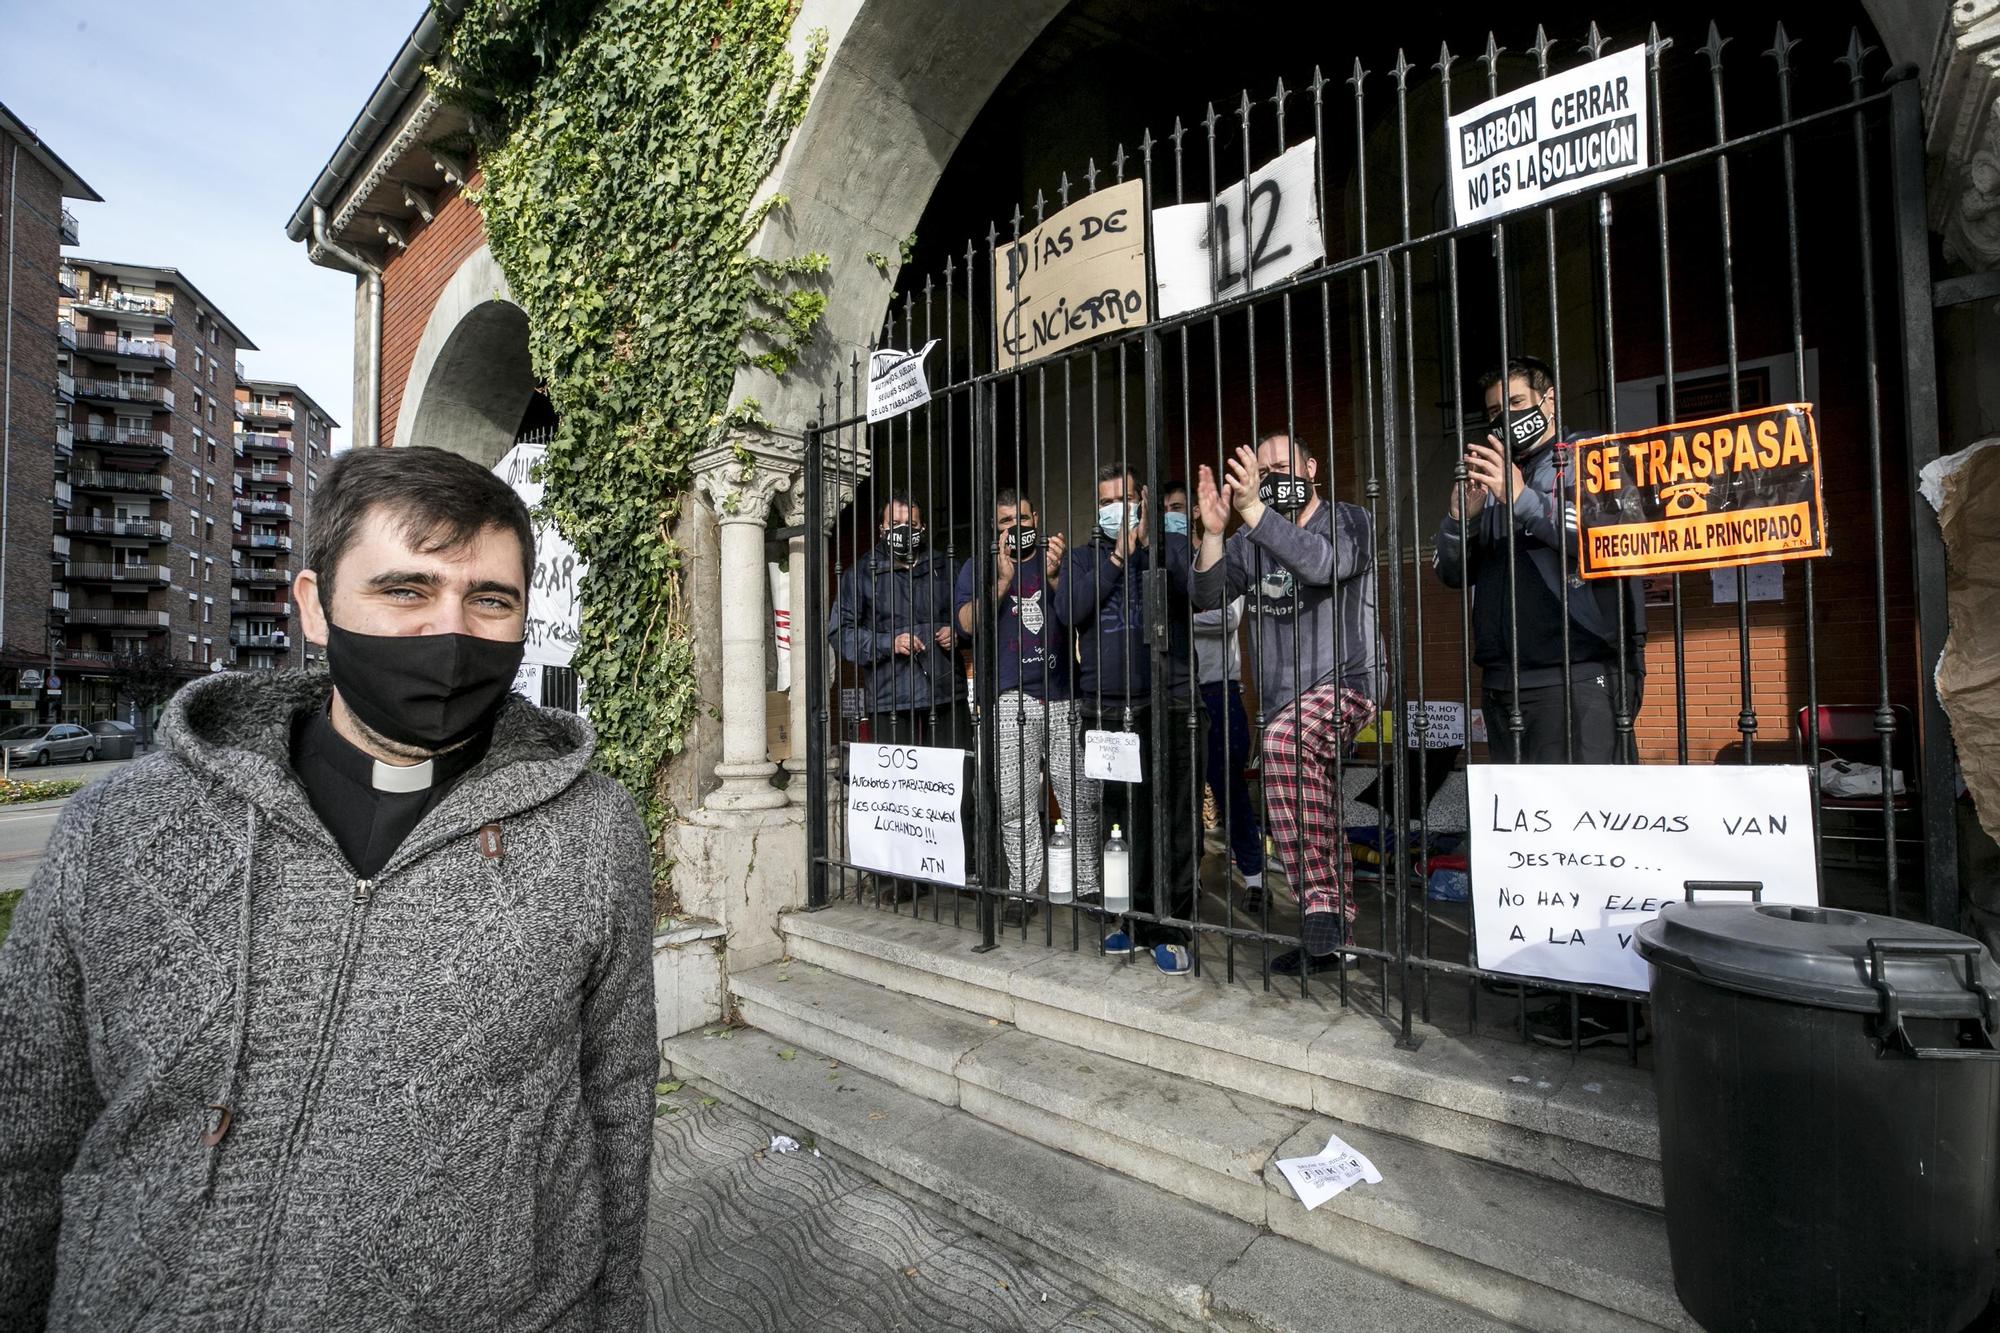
[(1844, 777)]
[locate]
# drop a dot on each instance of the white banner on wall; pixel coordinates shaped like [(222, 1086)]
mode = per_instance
[(552, 602), (781, 622), (1569, 859), (903, 810), (896, 382), (1572, 131)]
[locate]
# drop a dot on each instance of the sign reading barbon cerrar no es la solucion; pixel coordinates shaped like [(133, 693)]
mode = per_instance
[(1735, 489)]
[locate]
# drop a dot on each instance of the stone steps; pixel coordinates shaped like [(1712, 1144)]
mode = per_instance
[(1518, 1247), (1146, 1250), (1576, 1122)]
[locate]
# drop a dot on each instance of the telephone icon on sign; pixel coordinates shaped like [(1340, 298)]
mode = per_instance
[(1687, 497)]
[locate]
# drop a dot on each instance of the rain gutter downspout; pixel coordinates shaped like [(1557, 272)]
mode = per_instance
[(369, 428)]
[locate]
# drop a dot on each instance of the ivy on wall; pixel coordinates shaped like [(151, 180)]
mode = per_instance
[(623, 144)]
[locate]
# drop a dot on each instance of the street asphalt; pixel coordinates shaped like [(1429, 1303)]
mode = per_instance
[(25, 829)]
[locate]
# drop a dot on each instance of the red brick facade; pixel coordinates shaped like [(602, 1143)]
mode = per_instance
[(31, 210), (412, 280)]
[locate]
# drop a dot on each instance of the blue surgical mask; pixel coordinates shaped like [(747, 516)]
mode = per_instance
[(1111, 516), (1176, 523)]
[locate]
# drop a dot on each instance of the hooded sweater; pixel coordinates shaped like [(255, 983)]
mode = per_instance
[(436, 1081)]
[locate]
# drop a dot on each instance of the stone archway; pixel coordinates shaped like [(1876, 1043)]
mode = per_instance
[(471, 379)]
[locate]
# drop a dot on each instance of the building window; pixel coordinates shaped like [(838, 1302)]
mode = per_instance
[(208, 569), (194, 528), (197, 402), (190, 567), (135, 557), (211, 529), (211, 450), (211, 336), (211, 493), (207, 609), (206, 649), (197, 361), (211, 411)]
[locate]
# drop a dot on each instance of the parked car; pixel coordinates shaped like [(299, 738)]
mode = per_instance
[(41, 743), (115, 740)]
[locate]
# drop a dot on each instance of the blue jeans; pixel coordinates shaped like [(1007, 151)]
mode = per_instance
[(1224, 701)]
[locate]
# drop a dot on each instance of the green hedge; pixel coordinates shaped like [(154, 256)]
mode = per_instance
[(17, 793)]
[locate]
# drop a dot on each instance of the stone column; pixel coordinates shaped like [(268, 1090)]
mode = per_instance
[(740, 492)]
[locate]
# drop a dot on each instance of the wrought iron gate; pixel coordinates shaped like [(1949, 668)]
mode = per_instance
[(1367, 360)]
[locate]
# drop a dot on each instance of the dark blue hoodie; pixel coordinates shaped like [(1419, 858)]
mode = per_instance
[(1106, 610), (879, 600)]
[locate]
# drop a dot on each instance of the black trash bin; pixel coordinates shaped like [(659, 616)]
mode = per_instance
[(1829, 1099)]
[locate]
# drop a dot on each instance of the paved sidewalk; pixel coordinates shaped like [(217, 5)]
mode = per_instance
[(743, 1238)]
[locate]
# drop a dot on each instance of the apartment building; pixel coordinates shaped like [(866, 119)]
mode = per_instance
[(146, 485), (283, 443), (35, 391)]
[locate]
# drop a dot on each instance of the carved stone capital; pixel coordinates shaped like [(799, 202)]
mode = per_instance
[(1964, 134), (742, 475)]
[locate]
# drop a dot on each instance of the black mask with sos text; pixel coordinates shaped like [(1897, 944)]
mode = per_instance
[(1285, 492), (1526, 429), (430, 691), (904, 540), (1022, 540)]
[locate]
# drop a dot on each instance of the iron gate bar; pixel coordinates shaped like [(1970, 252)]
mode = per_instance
[(1920, 424), (1656, 47)]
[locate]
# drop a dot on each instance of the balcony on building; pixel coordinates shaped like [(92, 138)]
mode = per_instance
[(115, 301), (255, 442), (63, 493), (269, 506), (272, 610), (262, 541), (242, 372), (104, 618), (119, 393), (278, 639), (120, 529), (116, 346), (264, 474), (151, 443), (59, 547), (265, 410), (257, 575), (65, 387), (93, 571), (66, 333), (70, 234), (65, 439), (59, 601), (66, 281), (122, 483)]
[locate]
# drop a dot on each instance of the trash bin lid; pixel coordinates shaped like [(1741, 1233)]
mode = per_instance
[(1826, 957)]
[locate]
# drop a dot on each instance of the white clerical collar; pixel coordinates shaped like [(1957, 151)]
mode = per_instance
[(401, 779)]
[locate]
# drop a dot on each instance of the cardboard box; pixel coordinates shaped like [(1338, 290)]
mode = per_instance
[(778, 725)]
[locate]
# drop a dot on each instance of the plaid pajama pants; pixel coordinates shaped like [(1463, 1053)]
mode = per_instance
[(1032, 731), (1300, 800)]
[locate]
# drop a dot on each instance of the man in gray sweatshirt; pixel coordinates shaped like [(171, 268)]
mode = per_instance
[(1309, 570), (336, 1012)]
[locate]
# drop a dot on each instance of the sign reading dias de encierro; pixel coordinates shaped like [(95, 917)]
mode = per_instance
[(1729, 490)]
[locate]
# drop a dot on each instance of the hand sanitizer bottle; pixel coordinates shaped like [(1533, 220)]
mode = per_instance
[(1062, 865), (1117, 873)]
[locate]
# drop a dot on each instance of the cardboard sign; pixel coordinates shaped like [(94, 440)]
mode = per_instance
[(554, 616), (1111, 756), (1434, 724), (896, 382), (1729, 490), (1572, 131), (903, 810), (1568, 859), (1080, 274), (1204, 253)]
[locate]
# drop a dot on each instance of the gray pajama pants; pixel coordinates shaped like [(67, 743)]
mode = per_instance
[(1034, 732)]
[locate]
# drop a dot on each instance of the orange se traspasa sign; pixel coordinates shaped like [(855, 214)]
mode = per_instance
[(1729, 490)]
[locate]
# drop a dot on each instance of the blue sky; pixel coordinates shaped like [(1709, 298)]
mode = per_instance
[(203, 123)]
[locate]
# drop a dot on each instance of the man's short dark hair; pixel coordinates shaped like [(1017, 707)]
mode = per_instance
[(1174, 487), (1300, 449), (1008, 497), (897, 497), (440, 501), (1539, 374), (1117, 472)]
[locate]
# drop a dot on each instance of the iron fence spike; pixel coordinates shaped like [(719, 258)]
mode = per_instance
[(1713, 47), (1656, 45), (1540, 46), (1445, 61), (1491, 57), (1594, 42), (1402, 70), (1781, 48), (1358, 77)]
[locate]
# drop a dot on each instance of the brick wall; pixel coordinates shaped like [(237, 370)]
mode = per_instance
[(35, 221), (411, 282)]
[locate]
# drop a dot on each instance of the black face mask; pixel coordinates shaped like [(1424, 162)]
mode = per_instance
[(1527, 429), (1022, 541), (904, 540), (430, 691), (1284, 492)]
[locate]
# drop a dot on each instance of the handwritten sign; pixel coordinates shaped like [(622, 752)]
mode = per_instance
[(528, 682), (896, 382), (1726, 490), (1254, 233), (1572, 131), (553, 613), (1111, 756), (903, 810), (1568, 859), (1080, 274)]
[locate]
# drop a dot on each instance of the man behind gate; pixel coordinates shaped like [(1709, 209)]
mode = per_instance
[(1309, 569)]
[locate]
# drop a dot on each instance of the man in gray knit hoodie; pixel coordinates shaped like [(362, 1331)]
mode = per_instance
[(336, 1012)]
